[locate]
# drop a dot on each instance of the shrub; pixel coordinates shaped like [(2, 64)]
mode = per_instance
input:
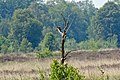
[(71, 44), (45, 53), (90, 44), (64, 72), (49, 42), (25, 46), (10, 49), (4, 48), (99, 44)]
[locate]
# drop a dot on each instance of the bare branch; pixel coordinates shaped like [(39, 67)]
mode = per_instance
[(66, 26), (65, 21), (67, 54), (70, 25), (69, 16)]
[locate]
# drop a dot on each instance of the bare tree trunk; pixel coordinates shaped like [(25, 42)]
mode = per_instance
[(63, 51), (63, 34)]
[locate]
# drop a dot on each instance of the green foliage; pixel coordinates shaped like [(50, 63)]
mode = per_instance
[(93, 44), (111, 42), (15, 46), (40, 12), (24, 25), (64, 72), (25, 46), (106, 23), (49, 42), (32, 19), (7, 7), (42, 75), (18, 24), (4, 48), (5, 45), (90, 44), (44, 53), (10, 49), (71, 44), (83, 11), (34, 32), (4, 27), (2, 39)]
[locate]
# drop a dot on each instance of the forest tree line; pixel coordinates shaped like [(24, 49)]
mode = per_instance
[(29, 25)]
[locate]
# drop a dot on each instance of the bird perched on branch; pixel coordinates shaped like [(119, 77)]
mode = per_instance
[(60, 30)]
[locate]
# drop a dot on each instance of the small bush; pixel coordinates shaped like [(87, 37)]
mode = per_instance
[(45, 53), (25, 46), (98, 44), (64, 72), (4, 48)]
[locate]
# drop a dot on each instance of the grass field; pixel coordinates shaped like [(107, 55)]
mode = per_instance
[(94, 65)]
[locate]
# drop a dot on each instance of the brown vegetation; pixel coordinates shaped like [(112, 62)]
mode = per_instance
[(89, 63)]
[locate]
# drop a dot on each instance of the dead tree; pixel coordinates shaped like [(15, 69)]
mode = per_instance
[(63, 33)]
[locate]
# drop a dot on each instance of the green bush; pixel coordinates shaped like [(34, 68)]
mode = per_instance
[(4, 45), (45, 53), (99, 44), (49, 42), (25, 46), (4, 48), (90, 44), (64, 72), (70, 44), (10, 49)]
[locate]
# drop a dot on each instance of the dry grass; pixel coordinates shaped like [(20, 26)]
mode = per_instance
[(109, 67), (29, 69), (23, 70)]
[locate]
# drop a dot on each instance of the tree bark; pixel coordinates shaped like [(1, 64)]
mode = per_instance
[(62, 49)]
